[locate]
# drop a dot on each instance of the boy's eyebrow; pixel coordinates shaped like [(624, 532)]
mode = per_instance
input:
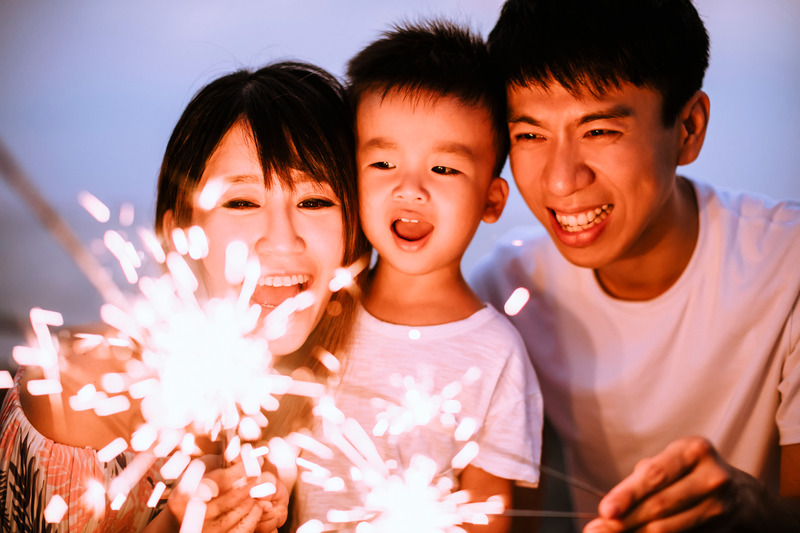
[(378, 142), (456, 148)]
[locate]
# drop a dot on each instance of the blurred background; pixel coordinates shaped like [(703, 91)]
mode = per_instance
[(90, 91)]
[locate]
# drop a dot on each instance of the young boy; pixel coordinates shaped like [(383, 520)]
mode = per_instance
[(663, 318), (431, 141)]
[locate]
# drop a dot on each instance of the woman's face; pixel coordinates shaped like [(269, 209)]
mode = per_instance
[(296, 235)]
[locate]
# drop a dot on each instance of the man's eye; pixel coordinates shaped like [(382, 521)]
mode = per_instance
[(384, 165), (239, 203), (439, 169), (315, 203), (527, 137)]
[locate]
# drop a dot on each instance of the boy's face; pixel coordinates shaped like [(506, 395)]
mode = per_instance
[(596, 172), (425, 180)]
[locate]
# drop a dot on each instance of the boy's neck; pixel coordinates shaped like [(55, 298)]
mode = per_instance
[(418, 300)]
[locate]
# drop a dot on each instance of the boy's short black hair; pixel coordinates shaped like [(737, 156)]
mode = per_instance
[(437, 57), (598, 44)]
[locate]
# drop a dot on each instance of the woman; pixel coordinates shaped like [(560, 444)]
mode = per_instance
[(279, 142)]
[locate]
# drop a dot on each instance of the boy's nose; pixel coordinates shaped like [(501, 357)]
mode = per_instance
[(566, 171), (410, 189), (279, 234)]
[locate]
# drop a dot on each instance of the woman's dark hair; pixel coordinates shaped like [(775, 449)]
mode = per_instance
[(595, 45)]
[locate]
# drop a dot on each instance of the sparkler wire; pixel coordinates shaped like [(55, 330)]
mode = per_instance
[(57, 226)]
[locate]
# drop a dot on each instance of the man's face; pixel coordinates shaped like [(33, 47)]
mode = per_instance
[(596, 171)]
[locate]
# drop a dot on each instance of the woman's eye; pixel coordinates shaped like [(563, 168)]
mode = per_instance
[(315, 203), (239, 203), (383, 165), (439, 169)]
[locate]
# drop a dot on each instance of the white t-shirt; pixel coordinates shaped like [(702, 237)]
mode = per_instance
[(504, 401), (716, 355)]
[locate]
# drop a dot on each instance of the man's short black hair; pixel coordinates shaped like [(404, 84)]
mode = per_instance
[(595, 45), (436, 57)]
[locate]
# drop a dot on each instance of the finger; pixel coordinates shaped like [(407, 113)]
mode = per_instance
[(653, 474), (231, 499), (601, 525), (240, 519), (249, 523), (697, 496)]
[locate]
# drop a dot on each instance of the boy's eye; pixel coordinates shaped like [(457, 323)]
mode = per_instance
[(239, 203), (439, 169), (385, 165), (315, 203)]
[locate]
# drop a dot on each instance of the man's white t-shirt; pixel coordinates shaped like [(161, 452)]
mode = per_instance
[(716, 355)]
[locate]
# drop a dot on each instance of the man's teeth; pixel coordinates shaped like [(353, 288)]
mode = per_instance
[(411, 220), (582, 221), (283, 281)]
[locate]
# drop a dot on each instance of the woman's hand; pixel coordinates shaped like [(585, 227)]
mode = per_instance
[(230, 506)]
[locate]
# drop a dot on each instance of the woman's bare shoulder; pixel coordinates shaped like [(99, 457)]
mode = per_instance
[(85, 357)]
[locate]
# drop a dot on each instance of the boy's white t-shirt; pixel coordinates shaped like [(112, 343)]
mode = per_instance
[(716, 355), (387, 360)]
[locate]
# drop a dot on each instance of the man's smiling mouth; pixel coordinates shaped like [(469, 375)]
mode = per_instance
[(575, 222)]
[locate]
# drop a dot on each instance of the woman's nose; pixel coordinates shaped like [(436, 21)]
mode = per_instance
[(279, 234)]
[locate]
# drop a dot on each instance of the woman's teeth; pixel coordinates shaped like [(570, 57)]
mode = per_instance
[(283, 281), (583, 221)]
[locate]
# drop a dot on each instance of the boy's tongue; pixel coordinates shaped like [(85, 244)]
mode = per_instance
[(412, 231), (273, 296)]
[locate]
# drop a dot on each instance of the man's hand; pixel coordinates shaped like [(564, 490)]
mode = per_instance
[(687, 485)]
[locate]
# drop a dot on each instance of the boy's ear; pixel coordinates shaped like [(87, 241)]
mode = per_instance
[(693, 123), (496, 198)]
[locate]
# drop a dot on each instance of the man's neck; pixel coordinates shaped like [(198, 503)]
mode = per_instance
[(418, 300), (647, 273)]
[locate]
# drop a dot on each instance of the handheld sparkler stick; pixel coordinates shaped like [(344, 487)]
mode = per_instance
[(57, 226), (569, 480)]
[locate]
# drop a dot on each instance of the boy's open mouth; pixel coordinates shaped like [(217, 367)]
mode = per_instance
[(410, 229), (271, 291)]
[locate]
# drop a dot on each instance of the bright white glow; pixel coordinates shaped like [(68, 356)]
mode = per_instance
[(112, 449), (516, 301), (55, 510), (94, 206), (40, 387)]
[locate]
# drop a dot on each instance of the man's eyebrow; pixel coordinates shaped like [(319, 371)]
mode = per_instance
[(617, 111)]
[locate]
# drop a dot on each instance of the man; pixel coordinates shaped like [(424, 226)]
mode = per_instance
[(663, 319)]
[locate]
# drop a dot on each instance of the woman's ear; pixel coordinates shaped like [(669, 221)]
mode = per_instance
[(693, 123), (496, 198), (167, 227)]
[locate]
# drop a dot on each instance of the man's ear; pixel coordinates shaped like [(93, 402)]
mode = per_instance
[(693, 123), (167, 227), (496, 198)]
